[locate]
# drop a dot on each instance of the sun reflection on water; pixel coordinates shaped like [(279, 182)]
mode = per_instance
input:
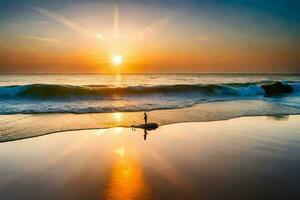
[(117, 79)]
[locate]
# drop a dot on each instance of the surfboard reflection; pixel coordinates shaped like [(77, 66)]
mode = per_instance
[(146, 127)]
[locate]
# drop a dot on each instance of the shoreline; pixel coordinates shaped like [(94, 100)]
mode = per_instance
[(107, 128), (16, 127)]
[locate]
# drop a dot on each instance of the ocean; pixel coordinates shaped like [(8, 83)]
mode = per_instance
[(105, 93)]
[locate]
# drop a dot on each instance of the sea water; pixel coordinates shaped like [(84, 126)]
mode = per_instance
[(102, 93)]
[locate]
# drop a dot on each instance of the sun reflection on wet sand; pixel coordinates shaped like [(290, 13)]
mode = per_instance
[(117, 118), (182, 161), (117, 79), (126, 179)]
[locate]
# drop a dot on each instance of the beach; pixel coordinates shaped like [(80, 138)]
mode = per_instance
[(241, 158), (38, 104), (219, 136), (20, 126), (149, 100)]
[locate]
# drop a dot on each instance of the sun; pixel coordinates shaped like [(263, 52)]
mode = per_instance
[(117, 59)]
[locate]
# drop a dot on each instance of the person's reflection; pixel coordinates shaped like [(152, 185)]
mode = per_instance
[(145, 134)]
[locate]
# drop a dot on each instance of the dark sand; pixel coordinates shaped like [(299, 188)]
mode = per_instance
[(243, 158)]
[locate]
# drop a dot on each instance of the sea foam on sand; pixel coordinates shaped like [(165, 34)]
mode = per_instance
[(14, 127)]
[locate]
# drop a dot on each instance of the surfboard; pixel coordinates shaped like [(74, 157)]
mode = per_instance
[(148, 126)]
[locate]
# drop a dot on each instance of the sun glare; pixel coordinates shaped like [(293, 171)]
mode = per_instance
[(117, 59)]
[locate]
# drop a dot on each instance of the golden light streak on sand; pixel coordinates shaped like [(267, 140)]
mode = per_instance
[(126, 179)]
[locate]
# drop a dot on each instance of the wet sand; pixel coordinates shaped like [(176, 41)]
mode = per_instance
[(243, 158), (14, 127)]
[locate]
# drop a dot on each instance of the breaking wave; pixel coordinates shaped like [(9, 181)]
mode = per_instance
[(46, 91), (47, 98)]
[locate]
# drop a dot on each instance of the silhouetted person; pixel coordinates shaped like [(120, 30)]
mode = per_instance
[(145, 117), (145, 134)]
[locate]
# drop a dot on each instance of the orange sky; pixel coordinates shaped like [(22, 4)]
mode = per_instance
[(83, 37)]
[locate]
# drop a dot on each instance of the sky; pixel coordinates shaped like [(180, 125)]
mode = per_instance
[(149, 36)]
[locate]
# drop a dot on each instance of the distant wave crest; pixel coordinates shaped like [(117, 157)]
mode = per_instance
[(47, 91)]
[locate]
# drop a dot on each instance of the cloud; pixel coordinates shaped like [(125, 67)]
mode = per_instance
[(45, 39), (61, 19)]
